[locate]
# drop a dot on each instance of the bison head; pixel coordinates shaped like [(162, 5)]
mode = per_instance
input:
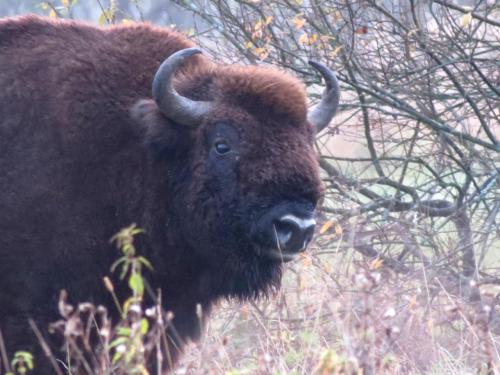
[(243, 177)]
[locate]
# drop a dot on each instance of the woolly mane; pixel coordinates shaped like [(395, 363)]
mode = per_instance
[(263, 91)]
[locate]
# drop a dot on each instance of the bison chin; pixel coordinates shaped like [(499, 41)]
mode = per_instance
[(253, 278), (246, 250)]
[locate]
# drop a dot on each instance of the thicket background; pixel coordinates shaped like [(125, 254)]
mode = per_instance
[(404, 274)]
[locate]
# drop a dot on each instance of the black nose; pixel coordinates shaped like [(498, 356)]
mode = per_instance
[(294, 233)]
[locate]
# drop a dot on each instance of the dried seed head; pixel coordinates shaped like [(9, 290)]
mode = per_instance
[(108, 284), (169, 316)]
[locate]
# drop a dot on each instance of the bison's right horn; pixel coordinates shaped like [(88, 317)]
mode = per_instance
[(174, 106), (321, 115)]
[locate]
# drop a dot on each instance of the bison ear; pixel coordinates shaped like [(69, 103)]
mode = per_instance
[(163, 137)]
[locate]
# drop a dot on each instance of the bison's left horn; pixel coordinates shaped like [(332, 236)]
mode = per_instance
[(321, 115), (174, 106)]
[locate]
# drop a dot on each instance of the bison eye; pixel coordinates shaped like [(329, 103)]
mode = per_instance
[(221, 147)]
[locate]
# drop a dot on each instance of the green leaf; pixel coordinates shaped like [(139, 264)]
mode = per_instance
[(124, 270), (27, 356), (124, 331), (128, 249), (118, 341), (117, 263), (136, 283), (145, 262), (144, 326), (116, 357), (136, 231), (22, 358)]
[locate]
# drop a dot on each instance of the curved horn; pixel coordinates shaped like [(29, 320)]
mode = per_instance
[(174, 106), (322, 113)]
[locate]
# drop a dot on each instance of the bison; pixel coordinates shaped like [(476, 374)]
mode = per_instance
[(98, 130)]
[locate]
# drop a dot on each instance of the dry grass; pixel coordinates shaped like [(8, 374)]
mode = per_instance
[(341, 315)]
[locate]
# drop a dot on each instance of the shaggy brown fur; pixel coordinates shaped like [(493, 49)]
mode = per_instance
[(81, 156)]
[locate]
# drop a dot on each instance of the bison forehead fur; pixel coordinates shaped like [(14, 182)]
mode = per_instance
[(85, 151)]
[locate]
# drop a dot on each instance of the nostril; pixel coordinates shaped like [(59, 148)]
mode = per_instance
[(294, 233), (284, 231)]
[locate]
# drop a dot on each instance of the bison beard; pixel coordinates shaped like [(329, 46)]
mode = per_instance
[(218, 179)]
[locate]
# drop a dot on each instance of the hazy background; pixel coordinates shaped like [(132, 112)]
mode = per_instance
[(162, 12)]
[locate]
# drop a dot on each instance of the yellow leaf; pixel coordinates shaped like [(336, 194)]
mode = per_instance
[(65, 3), (338, 230), (376, 264), (335, 52), (261, 52), (327, 225), (52, 14), (269, 19), (303, 39), (299, 22), (263, 55), (312, 39), (248, 45), (258, 25), (466, 19), (102, 18)]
